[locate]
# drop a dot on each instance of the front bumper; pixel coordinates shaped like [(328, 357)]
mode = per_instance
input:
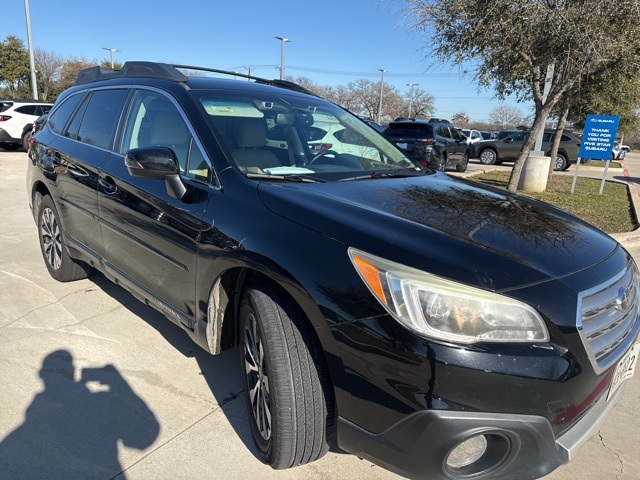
[(519, 446)]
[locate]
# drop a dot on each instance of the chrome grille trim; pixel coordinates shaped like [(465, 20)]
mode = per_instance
[(606, 324)]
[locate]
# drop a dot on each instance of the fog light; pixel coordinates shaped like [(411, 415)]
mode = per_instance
[(468, 452)]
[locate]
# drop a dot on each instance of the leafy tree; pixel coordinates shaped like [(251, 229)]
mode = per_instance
[(515, 41), (70, 69), (14, 66)]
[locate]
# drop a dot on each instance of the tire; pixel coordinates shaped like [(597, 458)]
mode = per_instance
[(462, 166), (561, 163), (488, 157), (25, 140), (52, 244), (441, 164), (286, 385), (10, 146)]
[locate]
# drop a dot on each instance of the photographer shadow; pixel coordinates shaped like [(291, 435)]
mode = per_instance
[(222, 372), (72, 428)]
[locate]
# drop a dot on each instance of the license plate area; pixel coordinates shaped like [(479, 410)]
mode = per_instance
[(624, 369)]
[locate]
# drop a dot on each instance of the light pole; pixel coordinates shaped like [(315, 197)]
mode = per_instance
[(382, 70), (34, 85), (111, 51), (282, 42), (411, 85)]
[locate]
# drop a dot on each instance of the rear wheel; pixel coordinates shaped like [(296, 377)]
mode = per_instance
[(488, 157), (285, 380), (25, 139), (441, 164), (54, 250)]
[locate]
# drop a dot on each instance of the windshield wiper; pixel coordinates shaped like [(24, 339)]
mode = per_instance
[(399, 173), (291, 177)]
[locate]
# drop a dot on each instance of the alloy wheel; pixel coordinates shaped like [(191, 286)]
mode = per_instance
[(51, 241), (255, 369)]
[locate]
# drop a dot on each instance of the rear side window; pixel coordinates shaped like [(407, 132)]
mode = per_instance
[(58, 119), (100, 119), (27, 109)]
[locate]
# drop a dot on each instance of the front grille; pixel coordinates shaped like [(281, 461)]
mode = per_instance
[(608, 314)]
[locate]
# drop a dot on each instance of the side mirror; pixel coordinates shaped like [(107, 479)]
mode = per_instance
[(156, 163)]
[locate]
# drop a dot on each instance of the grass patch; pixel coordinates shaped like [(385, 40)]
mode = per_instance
[(601, 163), (611, 212)]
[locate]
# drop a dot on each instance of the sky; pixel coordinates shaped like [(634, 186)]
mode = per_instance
[(333, 42)]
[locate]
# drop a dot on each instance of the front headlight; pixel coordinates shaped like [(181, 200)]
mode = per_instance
[(441, 309)]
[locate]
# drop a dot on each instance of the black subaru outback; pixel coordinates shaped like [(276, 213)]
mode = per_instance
[(437, 327)]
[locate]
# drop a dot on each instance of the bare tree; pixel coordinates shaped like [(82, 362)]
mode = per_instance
[(505, 116), (460, 119), (48, 66), (422, 103)]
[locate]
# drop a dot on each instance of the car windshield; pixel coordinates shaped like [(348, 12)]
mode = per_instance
[(277, 135)]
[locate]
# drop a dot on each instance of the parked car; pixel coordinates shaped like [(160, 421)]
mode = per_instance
[(438, 327), (16, 121), (434, 143), (507, 149), (617, 152), (486, 135), (373, 124), (473, 135)]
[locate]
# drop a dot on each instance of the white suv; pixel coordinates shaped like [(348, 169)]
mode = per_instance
[(16, 121)]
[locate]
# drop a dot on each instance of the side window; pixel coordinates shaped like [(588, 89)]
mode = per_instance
[(454, 133), (443, 131), (520, 137), (547, 137), (58, 119), (27, 109), (72, 127), (154, 121), (565, 138), (100, 119)]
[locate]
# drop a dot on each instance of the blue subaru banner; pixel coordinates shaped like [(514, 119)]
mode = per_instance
[(598, 136)]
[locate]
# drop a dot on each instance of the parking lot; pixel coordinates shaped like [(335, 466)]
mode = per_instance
[(94, 384)]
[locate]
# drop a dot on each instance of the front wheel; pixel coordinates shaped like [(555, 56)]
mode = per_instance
[(462, 166), (488, 157), (285, 380), (52, 243), (561, 163)]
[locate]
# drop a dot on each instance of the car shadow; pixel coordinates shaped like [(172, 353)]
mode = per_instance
[(72, 429), (221, 372)]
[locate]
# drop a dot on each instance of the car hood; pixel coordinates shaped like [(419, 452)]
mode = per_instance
[(451, 227)]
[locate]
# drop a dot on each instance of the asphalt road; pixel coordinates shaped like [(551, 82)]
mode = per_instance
[(94, 384)]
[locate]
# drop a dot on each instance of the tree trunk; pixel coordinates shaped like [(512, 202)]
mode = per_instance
[(562, 121), (538, 123)]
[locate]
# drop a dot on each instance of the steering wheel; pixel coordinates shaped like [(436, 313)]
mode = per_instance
[(324, 154)]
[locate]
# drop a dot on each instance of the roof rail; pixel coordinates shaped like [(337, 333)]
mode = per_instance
[(277, 83), (131, 70), (169, 72)]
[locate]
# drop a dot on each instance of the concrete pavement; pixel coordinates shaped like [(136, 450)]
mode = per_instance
[(94, 384)]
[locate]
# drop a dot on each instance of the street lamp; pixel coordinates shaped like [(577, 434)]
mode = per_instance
[(282, 40), (411, 85), (382, 70), (111, 51), (34, 85)]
